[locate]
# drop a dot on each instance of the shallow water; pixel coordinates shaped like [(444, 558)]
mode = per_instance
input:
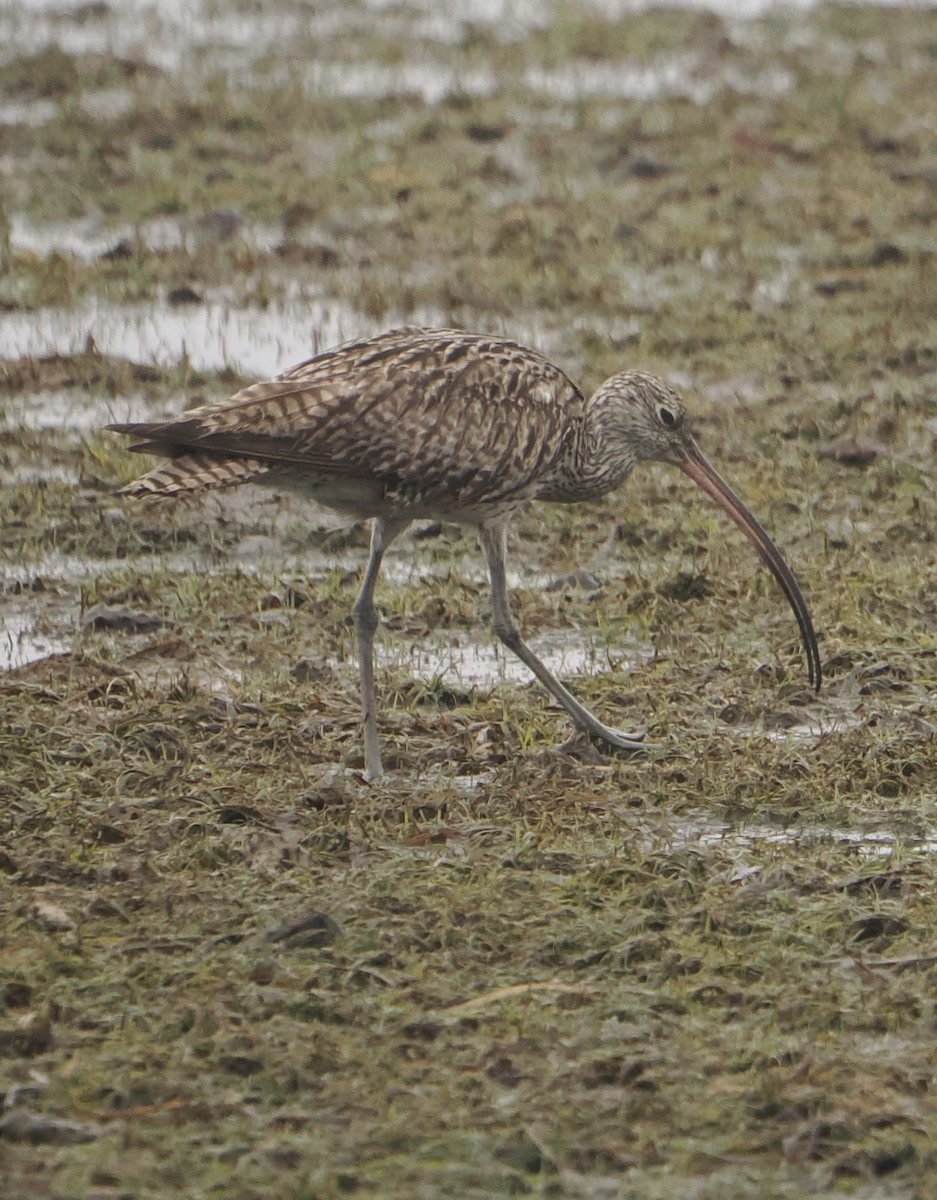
[(162, 31), (165, 31), (68, 411), (461, 657), (20, 641), (90, 237), (701, 828), (480, 661), (220, 332), (169, 33), (211, 336)]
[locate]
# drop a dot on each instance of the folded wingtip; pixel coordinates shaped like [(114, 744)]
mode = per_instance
[(134, 428)]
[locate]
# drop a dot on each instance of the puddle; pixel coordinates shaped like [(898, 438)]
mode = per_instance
[(27, 112), (676, 75), (772, 291), (70, 410), (433, 80), (21, 643), (164, 33), (480, 661), (107, 104), (220, 334), (817, 727), (649, 289), (169, 32), (88, 238), (470, 658), (72, 568), (836, 717), (700, 829), (212, 336), (31, 474), (202, 38)]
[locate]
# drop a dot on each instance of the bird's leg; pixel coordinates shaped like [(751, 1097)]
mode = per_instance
[(492, 538), (383, 533)]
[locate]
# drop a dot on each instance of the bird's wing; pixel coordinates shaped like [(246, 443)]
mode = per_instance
[(423, 411)]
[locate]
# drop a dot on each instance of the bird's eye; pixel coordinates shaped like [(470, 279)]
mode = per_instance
[(666, 417)]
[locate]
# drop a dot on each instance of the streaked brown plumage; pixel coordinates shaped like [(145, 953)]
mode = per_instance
[(450, 425)]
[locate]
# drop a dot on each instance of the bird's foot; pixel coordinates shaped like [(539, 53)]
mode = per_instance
[(631, 743)]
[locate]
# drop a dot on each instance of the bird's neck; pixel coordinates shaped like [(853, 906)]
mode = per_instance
[(596, 459)]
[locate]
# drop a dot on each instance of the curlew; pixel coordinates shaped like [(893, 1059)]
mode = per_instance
[(453, 426)]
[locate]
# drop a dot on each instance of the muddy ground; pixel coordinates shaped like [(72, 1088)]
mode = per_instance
[(228, 967)]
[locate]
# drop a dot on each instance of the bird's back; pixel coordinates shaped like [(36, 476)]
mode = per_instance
[(415, 419)]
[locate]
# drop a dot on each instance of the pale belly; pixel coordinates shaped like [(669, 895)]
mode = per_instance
[(364, 498)]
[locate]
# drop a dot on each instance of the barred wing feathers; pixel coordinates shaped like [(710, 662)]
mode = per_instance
[(428, 413)]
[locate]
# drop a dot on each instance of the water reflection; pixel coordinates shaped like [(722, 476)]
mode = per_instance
[(701, 829), (211, 336), (22, 643), (477, 660), (91, 237)]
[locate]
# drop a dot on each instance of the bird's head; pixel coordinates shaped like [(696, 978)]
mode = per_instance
[(646, 413), (642, 418)]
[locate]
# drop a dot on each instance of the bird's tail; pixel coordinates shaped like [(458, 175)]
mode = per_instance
[(187, 471), (189, 474)]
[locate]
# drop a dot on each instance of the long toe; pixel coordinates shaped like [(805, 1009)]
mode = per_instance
[(617, 738)]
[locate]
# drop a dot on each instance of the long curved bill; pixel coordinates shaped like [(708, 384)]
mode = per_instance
[(704, 474)]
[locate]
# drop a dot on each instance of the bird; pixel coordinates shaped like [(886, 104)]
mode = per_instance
[(442, 424)]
